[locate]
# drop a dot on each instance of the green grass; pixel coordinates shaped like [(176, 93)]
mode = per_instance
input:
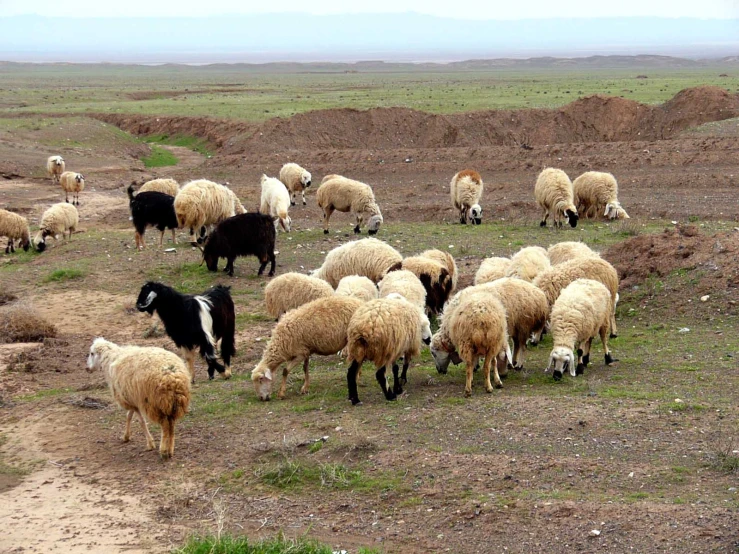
[(59, 275), (228, 544), (159, 157), (193, 143), (289, 474)]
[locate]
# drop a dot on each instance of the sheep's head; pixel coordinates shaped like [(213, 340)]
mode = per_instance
[(79, 178), (440, 350), (615, 211), (305, 179), (560, 360), (59, 161), (286, 223), (261, 376), (147, 300), (425, 329), (94, 358), (373, 225), (571, 216), (25, 244), (475, 214)]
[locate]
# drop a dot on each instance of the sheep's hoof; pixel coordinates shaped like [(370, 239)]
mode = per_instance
[(518, 367), (303, 390), (305, 203), (467, 393), (325, 231), (356, 401), (557, 375), (357, 230), (489, 389), (543, 224), (586, 359), (613, 335), (226, 374), (126, 438), (610, 359), (151, 445), (271, 274), (164, 455), (498, 385), (292, 203), (580, 369)]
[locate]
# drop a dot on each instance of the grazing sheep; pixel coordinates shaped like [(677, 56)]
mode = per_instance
[(406, 284), (242, 235), (14, 226), (149, 382), (204, 203), (595, 192), (347, 195), (528, 262), (296, 179), (491, 269), (445, 259), (57, 219), (151, 208), (569, 250), (435, 279), (553, 192), (165, 186), (583, 310), (319, 327), (275, 202), (74, 183), (292, 290), (357, 286), (369, 257), (55, 167), (195, 321), (466, 191), (381, 331)]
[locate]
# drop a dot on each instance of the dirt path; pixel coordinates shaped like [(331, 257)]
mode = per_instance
[(186, 158)]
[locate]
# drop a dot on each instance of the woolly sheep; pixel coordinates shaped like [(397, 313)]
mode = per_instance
[(491, 269), (406, 284), (296, 179), (347, 195), (150, 382), (528, 262), (203, 203), (275, 202), (74, 183), (357, 286), (553, 192), (14, 226), (55, 167), (381, 331), (165, 186), (583, 310), (319, 327), (445, 259), (369, 257), (56, 220), (291, 290), (595, 192), (569, 250), (466, 191), (435, 279)]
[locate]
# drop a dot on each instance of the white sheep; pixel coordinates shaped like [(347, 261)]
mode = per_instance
[(491, 269), (14, 226), (595, 192), (347, 195), (466, 191), (369, 257), (528, 262), (554, 194), (357, 286), (56, 220), (406, 284), (275, 202), (74, 183), (204, 203), (55, 167), (296, 179), (446, 260), (569, 250), (291, 290), (434, 277), (150, 382), (165, 186)]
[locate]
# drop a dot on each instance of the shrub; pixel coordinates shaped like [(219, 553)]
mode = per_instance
[(20, 322)]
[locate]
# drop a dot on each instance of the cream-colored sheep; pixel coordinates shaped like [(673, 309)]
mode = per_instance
[(446, 260), (56, 220), (381, 331), (406, 284), (347, 195), (491, 269), (275, 202), (291, 290), (583, 310), (74, 183), (165, 186), (319, 327), (528, 262), (370, 257), (55, 167), (204, 203), (435, 279), (357, 286), (595, 192), (150, 382), (466, 191), (14, 226), (569, 250), (554, 194), (296, 179)]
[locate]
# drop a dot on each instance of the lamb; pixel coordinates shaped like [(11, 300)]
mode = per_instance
[(347, 195), (527, 263), (466, 191), (74, 183), (241, 235), (583, 309), (554, 194), (569, 250), (381, 331), (296, 179), (319, 327), (149, 382), (165, 186), (14, 226), (357, 286), (596, 191), (435, 279), (55, 167), (204, 203), (369, 257), (406, 284), (275, 202), (151, 208), (491, 269), (292, 290), (58, 219), (446, 260), (195, 321)]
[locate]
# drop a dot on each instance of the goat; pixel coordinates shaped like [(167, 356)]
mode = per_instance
[(152, 208)]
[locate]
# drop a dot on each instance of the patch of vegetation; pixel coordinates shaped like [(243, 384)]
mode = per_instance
[(21, 322), (159, 157), (228, 544), (193, 143), (59, 275), (288, 474), (724, 457)]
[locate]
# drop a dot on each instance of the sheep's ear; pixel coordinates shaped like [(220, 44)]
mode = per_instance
[(551, 363), (268, 374), (508, 354)]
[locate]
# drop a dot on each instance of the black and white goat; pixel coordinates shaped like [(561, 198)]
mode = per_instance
[(152, 208), (195, 321)]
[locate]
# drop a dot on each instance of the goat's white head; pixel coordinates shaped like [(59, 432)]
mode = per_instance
[(262, 379), (562, 359)]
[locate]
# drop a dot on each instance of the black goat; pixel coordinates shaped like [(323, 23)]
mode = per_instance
[(195, 321), (152, 208), (250, 234)]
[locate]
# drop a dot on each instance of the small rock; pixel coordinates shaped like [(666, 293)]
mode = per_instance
[(594, 532), (705, 298), (631, 474), (684, 330), (673, 222), (678, 401), (171, 250)]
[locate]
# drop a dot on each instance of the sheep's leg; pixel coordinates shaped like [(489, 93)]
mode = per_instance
[(127, 432), (161, 238), (285, 372), (174, 239), (351, 381), (502, 363), (230, 267), (604, 339), (586, 352), (403, 375), (463, 216), (292, 198), (150, 445), (304, 202), (544, 218), (614, 329), (306, 384), (189, 356), (327, 211), (496, 375), (382, 379), (519, 352), (468, 378), (486, 371), (272, 262), (397, 389), (166, 445), (357, 226)]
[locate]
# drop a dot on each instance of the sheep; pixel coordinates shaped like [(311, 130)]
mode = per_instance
[(275, 202), (204, 203), (55, 167), (292, 290), (296, 179), (145, 381), (347, 195), (14, 226), (369, 257), (406, 284), (381, 331), (596, 191), (58, 219), (319, 327), (583, 309), (466, 191), (241, 235), (435, 279), (165, 186), (553, 192), (569, 250), (528, 262), (151, 208), (445, 259), (357, 286), (195, 321), (74, 183), (491, 269)]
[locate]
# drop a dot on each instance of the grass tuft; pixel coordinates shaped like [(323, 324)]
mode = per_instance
[(20, 322), (60, 275), (227, 544), (159, 157), (724, 457)]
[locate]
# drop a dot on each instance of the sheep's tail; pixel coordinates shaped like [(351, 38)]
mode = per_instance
[(174, 394), (357, 349), (129, 190)]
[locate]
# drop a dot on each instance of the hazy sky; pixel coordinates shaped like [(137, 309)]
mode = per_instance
[(466, 9)]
